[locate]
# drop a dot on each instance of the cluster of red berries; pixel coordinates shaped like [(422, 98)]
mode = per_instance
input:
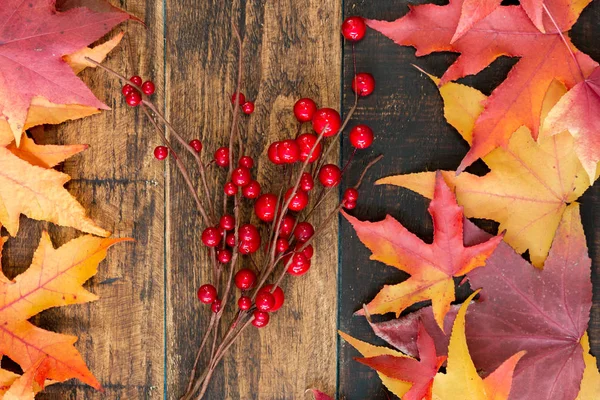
[(133, 97), (247, 106)]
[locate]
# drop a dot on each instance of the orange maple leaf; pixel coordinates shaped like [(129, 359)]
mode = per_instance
[(431, 266), (54, 279), (505, 31)]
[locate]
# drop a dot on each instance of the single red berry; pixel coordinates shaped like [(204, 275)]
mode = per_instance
[(127, 88), (351, 194), (287, 226), (274, 154), (134, 98), (288, 151), (249, 238), (327, 121), (299, 265), (299, 199), (224, 256), (230, 239), (211, 237), (304, 109), (330, 175), (148, 88), (245, 279), (308, 251), (227, 222), (261, 319), (136, 80), (361, 136), (241, 176), (241, 99), (248, 107), (244, 303), (354, 28), (306, 142), (196, 145), (304, 231), (216, 306), (349, 205), (363, 84), (246, 161), (306, 182), (230, 189), (265, 207), (222, 156), (281, 245), (251, 190), (207, 293), (264, 301), (277, 294), (161, 152)]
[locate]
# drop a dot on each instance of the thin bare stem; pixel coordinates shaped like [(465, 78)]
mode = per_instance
[(558, 30)]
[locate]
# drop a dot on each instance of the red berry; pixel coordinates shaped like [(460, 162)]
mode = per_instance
[(363, 84), (264, 301), (351, 194), (136, 80), (361, 136), (306, 142), (261, 319), (265, 207), (246, 161), (224, 255), (306, 182), (241, 176), (248, 107), (304, 109), (288, 151), (274, 154), (244, 303), (249, 238), (134, 98), (308, 251), (354, 28), (148, 88), (349, 205), (299, 266), (230, 239), (227, 222), (211, 237), (277, 294), (196, 145), (330, 175), (287, 226), (207, 293), (222, 156), (230, 189), (303, 231), (161, 152), (127, 88), (326, 121), (299, 200), (281, 245), (216, 306), (251, 190), (241, 99), (245, 279)]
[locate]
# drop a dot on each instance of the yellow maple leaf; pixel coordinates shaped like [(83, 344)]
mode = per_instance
[(590, 384), (530, 183), (45, 156)]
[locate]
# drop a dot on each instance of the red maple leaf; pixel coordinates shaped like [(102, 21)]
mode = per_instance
[(505, 31), (34, 37)]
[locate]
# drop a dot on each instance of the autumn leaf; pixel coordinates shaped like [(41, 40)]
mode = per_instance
[(590, 383), (543, 312), (54, 279), (318, 395), (530, 183), (45, 156), (431, 266), (34, 37), (579, 112), (505, 31)]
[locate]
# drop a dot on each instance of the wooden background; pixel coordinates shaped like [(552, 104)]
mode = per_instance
[(139, 339)]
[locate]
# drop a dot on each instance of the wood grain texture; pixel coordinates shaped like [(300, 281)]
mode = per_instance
[(291, 49), (406, 114)]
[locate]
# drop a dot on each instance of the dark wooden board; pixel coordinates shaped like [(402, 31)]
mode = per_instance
[(406, 114)]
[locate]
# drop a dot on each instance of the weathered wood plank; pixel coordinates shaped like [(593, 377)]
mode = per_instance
[(291, 49), (120, 184), (406, 114)]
